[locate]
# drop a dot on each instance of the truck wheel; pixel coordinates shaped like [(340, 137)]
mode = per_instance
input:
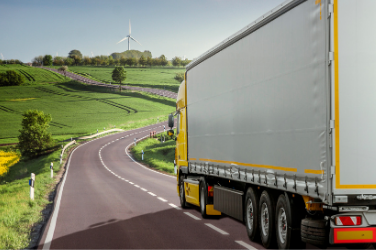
[(183, 203), (315, 232), (266, 219), (251, 205), (287, 219), (203, 195)]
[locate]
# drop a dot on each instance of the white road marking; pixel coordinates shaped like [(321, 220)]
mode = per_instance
[(152, 194), (131, 183), (216, 229), (143, 189), (174, 206), (192, 216), (245, 244), (136, 186), (160, 198)]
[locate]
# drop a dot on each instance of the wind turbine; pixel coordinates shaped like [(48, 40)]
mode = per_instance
[(129, 37)]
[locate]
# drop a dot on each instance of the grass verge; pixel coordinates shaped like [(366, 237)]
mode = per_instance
[(157, 155)]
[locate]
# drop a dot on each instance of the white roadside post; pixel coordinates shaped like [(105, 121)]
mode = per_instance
[(164, 129), (142, 154), (135, 141), (52, 169), (61, 158), (31, 184)]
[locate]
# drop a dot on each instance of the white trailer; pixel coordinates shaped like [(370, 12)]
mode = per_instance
[(277, 125)]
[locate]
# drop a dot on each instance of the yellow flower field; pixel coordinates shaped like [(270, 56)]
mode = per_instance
[(7, 159)]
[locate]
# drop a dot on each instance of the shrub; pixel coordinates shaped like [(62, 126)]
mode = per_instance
[(179, 77), (11, 78)]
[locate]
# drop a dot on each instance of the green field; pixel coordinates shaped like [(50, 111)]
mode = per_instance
[(78, 109), (139, 77), (157, 155), (33, 75)]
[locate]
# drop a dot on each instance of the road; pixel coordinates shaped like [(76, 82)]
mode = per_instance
[(109, 201), (76, 77)]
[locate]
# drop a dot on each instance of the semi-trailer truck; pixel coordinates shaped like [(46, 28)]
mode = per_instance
[(276, 126)]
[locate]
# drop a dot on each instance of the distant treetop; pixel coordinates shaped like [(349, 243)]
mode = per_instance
[(75, 52), (132, 54)]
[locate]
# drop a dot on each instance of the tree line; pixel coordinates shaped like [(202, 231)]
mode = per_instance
[(75, 58)]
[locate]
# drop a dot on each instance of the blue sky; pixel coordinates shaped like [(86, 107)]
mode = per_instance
[(170, 27)]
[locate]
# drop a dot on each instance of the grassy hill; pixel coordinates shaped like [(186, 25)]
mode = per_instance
[(159, 78), (131, 54), (78, 109), (34, 75)]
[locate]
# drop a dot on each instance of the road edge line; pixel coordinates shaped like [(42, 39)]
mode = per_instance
[(51, 228)]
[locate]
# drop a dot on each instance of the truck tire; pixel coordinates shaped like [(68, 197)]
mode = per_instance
[(251, 205), (288, 218), (315, 232), (266, 219), (183, 203), (203, 195)]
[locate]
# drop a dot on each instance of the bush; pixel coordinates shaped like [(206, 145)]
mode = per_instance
[(11, 78), (34, 138), (179, 77)]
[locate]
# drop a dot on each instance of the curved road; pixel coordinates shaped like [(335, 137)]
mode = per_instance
[(76, 77), (109, 201)]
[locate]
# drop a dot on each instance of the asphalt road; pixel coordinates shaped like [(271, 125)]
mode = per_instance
[(76, 77), (109, 201)]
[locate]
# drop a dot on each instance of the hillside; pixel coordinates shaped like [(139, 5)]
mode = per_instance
[(131, 54), (33, 75), (78, 109)]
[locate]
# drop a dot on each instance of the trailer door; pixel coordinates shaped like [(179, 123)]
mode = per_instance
[(354, 96)]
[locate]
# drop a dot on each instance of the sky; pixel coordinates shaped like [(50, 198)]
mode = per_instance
[(171, 27)]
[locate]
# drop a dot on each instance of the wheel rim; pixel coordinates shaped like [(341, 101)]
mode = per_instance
[(250, 214), (282, 225), (264, 219)]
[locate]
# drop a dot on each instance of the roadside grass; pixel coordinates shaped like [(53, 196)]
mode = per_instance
[(33, 75), (17, 212), (158, 78), (157, 155), (79, 109)]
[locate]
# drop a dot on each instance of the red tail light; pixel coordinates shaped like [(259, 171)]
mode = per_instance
[(210, 191), (348, 220)]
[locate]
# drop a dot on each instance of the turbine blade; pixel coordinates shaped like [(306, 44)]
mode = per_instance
[(129, 26), (135, 40), (122, 40)]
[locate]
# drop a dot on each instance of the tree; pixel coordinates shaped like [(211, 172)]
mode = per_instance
[(47, 60), (163, 60), (37, 61), (68, 61), (64, 69), (119, 74), (123, 60), (149, 61), (87, 60), (11, 78), (34, 138), (142, 60), (185, 62), (75, 52), (58, 61), (156, 62), (176, 61), (1, 61), (111, 60)]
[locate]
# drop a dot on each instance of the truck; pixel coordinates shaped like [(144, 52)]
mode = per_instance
[(276, 126)]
